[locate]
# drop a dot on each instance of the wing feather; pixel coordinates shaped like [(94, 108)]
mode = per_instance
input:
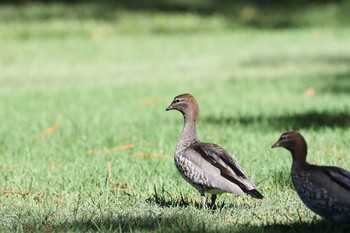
[(338, 175), (227, 165)]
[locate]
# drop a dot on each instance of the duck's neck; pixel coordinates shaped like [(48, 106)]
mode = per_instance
[(188, 135), (299, 158)]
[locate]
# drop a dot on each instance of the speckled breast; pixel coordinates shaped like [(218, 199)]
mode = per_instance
[(189, 172), (315, 198)]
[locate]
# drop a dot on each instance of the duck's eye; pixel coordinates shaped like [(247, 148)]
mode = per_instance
[(284, 137), (177, 100)]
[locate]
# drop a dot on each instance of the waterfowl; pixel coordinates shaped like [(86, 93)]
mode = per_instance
[(323, 189), (206, 166)]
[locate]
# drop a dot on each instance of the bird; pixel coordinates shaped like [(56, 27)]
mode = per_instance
[(323, 189), (206, 166)]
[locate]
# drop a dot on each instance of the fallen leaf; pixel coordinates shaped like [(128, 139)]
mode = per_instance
[(48, 131), (340, 158), (28, 226), (53, 166), (309, 92)]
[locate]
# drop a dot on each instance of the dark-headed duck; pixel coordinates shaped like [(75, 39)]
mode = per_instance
[(323, 189)]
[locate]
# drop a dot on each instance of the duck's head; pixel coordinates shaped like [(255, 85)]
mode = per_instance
[(295, 143), (186, 104)]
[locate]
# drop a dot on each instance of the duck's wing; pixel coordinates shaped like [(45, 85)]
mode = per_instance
[(329, 181), (227, 165), (338, 175)]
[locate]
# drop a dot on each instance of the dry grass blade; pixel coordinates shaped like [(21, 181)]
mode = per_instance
[(107, 150), (124, 147), (48, 131), (120, 186), (21, 192), (150, 101), (142, 155)]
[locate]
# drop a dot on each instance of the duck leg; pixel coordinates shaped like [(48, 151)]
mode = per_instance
[(203, 200), (213, 199)]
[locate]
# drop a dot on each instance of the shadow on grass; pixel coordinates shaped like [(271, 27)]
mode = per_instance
[(252, 13), (179, 223), (186, 221), (121, 223), (302, 60), (336, 83), (311, 119), (162, 201), (316, 226), (339, 84)]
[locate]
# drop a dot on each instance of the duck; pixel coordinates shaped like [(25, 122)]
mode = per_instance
[(323, 189), (208, 167)]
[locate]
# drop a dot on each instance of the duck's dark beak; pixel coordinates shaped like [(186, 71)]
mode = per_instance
[(276, 144), (170, 107)]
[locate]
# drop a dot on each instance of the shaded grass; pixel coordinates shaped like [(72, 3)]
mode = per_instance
[(103, 19), (313, 119)]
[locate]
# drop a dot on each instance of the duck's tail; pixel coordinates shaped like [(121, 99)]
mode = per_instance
[(255, 193)]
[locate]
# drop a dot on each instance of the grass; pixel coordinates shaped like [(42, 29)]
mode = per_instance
[(105, 18), (107, 89)]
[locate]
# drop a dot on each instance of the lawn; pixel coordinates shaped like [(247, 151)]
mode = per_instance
[(85, 137)]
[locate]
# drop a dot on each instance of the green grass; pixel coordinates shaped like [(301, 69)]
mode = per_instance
[(105, 18), (112, 89)]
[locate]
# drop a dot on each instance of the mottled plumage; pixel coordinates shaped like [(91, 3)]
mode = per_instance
[(323, 189), (206, 166)]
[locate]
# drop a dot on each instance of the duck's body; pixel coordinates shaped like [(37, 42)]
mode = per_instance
[(210, 168), (323, 189), (206, 166)]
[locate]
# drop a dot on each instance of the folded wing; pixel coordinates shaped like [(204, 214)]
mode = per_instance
[(229, 171)]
